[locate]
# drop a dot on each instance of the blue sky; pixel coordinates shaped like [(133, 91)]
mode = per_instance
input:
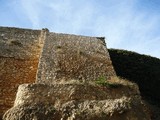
[(127, 24)]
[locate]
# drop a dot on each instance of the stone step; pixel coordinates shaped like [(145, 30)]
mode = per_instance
[(43, 93)]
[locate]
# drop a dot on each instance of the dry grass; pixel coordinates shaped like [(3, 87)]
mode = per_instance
[(118, 80), (113, 82)]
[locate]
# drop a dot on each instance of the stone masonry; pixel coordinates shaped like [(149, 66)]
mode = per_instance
[(66, 68), (67, 57), (19, 57)]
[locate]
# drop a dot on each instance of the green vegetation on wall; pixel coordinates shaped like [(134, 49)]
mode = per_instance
[(102, 81)]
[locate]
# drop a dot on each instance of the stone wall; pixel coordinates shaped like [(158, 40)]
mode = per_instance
[(19, 56), (65, 57)]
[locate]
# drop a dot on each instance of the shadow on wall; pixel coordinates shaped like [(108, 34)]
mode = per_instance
[(19, 57)]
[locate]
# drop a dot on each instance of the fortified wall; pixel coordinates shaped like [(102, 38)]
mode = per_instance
[(58, 75), (20, 50), (19, 57), (73, 57)]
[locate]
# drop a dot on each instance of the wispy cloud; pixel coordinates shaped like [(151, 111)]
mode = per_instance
[(32, 10), (124, 23)]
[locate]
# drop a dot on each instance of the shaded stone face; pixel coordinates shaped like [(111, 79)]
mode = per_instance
[(67, 57), (19, 43), (19, 57)]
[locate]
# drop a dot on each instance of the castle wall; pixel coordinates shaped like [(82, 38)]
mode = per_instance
[(19, 56), (63, 57), (66, 57)]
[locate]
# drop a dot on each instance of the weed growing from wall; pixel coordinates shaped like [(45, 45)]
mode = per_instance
[(103, 81)]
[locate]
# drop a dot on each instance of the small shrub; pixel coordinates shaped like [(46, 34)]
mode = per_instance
[(102, 81)]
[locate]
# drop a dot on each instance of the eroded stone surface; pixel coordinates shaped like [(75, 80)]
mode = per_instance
[(20, 43), (67, 57), (77, 102), (19, 57), (34, 111), (43, 93)]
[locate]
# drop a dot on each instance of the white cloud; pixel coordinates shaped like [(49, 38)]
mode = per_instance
[(32, 9)]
